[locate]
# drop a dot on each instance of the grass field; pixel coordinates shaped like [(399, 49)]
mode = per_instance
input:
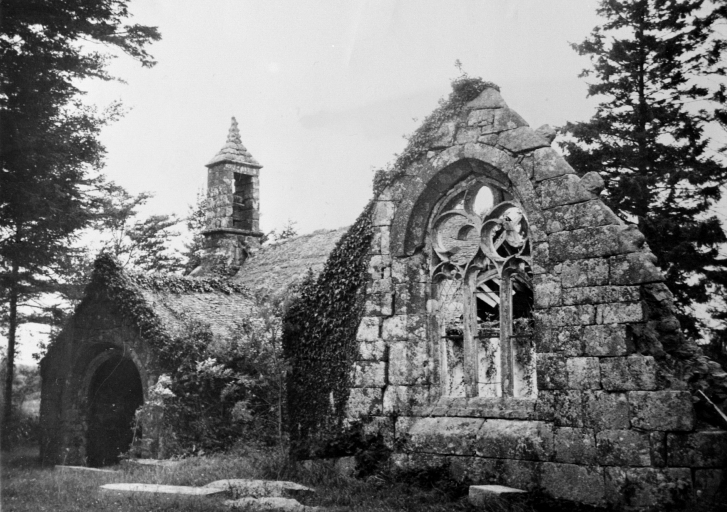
[(27, 487)]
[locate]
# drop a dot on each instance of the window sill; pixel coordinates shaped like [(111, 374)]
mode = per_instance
[(481, 407)]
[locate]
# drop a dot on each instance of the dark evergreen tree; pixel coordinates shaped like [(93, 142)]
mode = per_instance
[(659, 67), (49, 144)]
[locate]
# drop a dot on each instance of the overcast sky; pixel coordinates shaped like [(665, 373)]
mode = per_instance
[(324, 90)]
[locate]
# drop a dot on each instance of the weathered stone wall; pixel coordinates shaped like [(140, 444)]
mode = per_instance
[(96, 332), (613, 422)]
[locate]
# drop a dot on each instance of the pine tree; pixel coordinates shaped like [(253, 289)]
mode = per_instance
[(659, 67), (49, 144)]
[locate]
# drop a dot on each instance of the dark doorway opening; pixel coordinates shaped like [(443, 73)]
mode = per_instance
[(114, 395)]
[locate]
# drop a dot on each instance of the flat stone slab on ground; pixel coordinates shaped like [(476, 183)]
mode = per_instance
[(149, 489), (83, 469), (482, 495), (241, 488), (154, 462), (269, 504)]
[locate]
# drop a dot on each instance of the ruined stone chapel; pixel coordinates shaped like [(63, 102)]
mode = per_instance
[(487, 313)]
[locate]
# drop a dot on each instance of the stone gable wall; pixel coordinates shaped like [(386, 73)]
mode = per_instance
[(613, 422), (95, 331)]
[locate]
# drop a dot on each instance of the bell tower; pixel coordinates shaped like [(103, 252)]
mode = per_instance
[(232, 230)]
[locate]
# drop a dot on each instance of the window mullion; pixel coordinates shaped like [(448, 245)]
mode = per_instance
[(470, 334), (506, 359)]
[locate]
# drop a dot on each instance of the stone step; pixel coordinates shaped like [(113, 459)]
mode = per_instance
[(242, 488), (165, 490), (495, 496)]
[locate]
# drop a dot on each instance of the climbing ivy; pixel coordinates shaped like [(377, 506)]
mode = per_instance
[(319, 341), (464, 90)]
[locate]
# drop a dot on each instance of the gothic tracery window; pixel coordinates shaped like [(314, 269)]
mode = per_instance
[(482, 283)]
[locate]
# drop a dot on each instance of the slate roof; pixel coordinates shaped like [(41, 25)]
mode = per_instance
[(278, 265)]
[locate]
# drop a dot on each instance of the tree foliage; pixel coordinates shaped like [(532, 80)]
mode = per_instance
[(658, 67), (49, 145)]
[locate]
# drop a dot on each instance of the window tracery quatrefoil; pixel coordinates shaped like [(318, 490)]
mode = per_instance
[(483, 293)]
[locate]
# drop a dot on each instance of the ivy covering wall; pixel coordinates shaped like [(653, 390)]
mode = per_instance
[(319, 341)]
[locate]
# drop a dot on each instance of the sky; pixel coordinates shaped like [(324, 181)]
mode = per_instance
[(324, 92)]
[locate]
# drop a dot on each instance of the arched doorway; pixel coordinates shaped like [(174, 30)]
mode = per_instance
[(114, 394)]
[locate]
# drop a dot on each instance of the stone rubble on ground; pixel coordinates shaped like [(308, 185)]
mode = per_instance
[(244, 488), (269, 504)]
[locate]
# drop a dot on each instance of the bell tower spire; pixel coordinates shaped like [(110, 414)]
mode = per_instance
[(232, 230)]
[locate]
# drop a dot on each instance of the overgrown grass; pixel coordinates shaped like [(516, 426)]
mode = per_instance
[(28, 487)]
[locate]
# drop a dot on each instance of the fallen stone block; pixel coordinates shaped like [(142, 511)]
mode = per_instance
[(495, 496), (268, 504), (243, 488), (182, 491), (84, 469)]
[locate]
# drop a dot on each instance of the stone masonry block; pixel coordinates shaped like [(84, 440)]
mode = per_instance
[(606, 340), (581, 484), (372, 350), (710, 488), (661, 410), (583, 373), (369, 374), (467, 134), (658, 489), (578, 216), (548, 163), (568, 409), (587, 272), (620, 313), (561, 340), (409, 363), (383, 213), (521, 474), (566, 315), (634, 268), (447, 436), (635, 372), (364, 402), (595, 242), (600, 294), (705, 449), (402, 399), (394, 328), (502, 120), (541, 258), (605, 410), (368, 329), (546, 290), (574, 445), (551, 371), (623, 448), (488, 98), (521, 139), (561, 191), (514, 439)]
